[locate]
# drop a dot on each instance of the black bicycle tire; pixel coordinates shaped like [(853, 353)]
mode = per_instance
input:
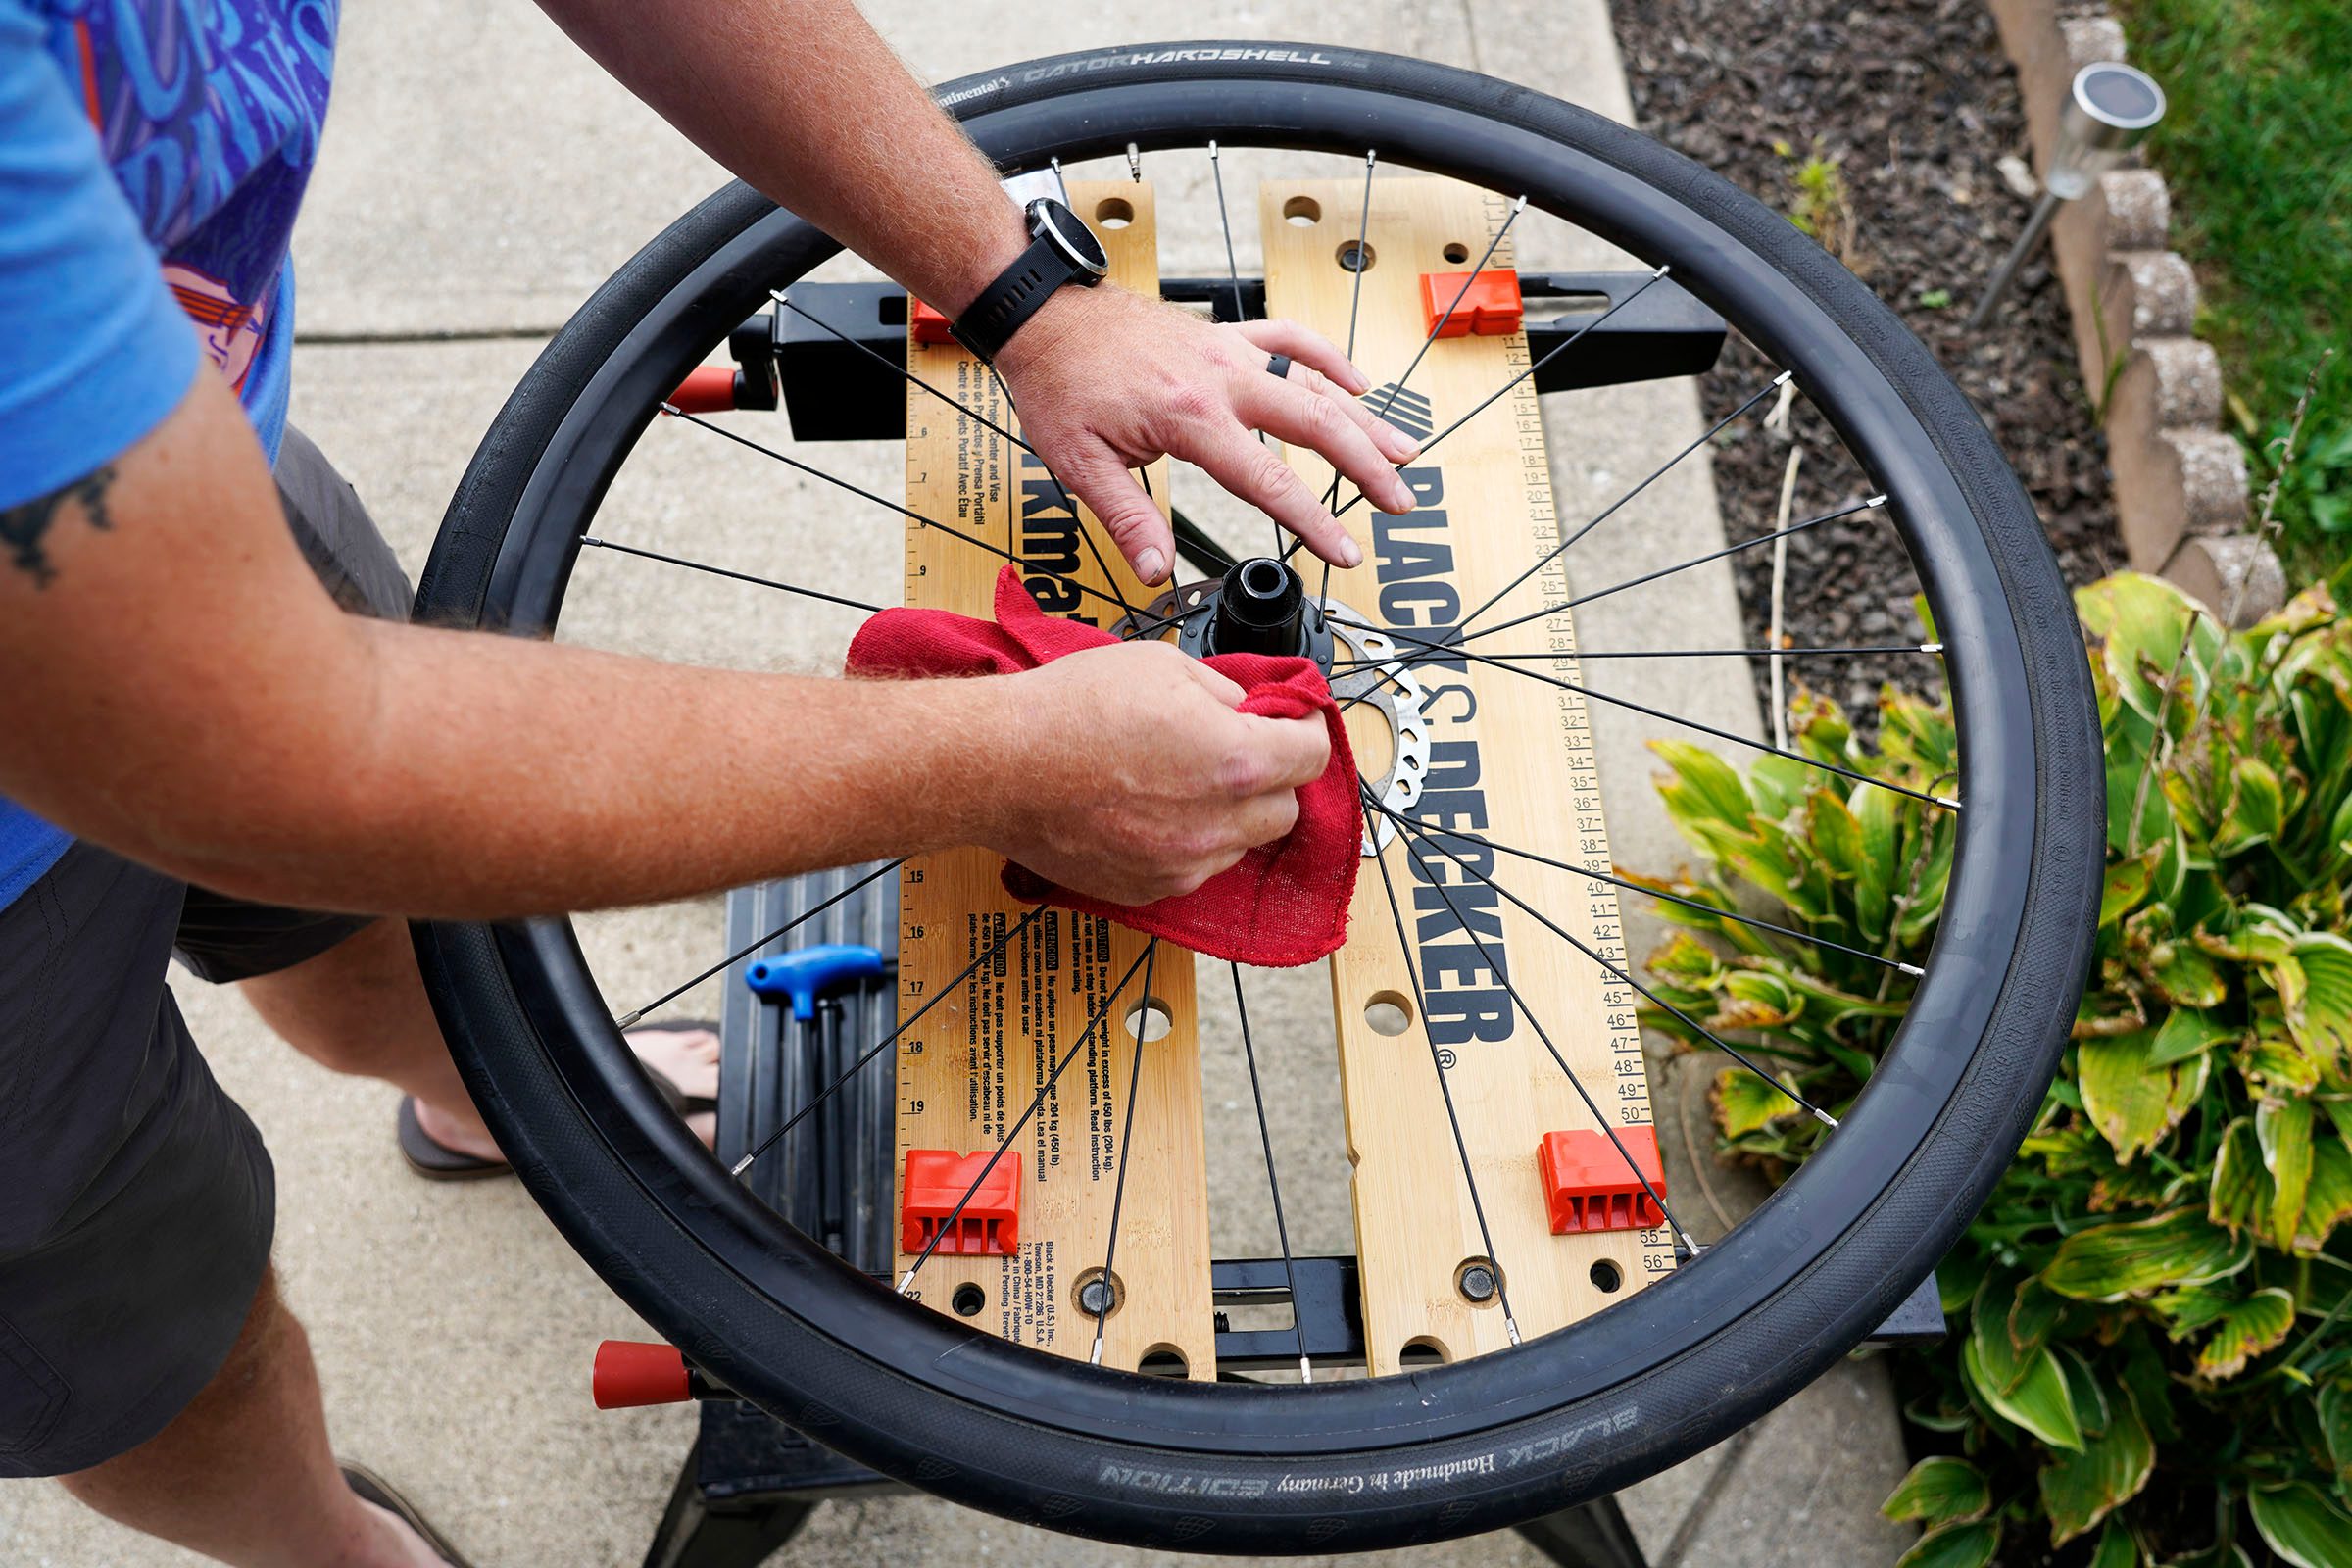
[(498, 992)]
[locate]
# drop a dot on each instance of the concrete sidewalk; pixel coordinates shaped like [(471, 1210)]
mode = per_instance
[(479, 178)]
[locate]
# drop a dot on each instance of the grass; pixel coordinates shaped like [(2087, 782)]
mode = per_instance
[(2257, 147)]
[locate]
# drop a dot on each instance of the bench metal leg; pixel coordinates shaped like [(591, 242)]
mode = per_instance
[(694, 1535), (1592, 1536)]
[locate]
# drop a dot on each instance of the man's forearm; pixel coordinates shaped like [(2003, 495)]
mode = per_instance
[(807, 103), (493, 776)]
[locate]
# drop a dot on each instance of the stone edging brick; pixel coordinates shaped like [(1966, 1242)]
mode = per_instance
[(2180, 480)]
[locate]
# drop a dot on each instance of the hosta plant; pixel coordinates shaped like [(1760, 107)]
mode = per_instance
[(2149, 1356)]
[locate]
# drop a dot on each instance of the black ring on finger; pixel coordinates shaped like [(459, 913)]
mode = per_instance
[(1278, 365)]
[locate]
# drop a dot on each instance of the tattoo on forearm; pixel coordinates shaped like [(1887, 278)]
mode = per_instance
[(24, 527)]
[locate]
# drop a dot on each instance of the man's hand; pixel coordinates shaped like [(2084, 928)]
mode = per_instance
[(1106, 381), (1132, 778)]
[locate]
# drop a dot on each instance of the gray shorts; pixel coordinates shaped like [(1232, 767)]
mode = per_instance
[(136, 1197)]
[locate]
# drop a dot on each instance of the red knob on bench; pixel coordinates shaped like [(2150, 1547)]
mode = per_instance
[(629, 1373)]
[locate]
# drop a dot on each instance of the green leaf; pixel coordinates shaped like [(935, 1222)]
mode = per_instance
[(2184, 977), (2115, 1548), (2253, 1327), (1703, 785), (2110, 1262), (1744, 1102), (1837, 836), (2079, 1490), (2322, 1022), (2039, 1403), (2142, 624), (1877, 814), (2283, 1130), (2257, 805), (2327, 1202), (1939, 1491), (2033, 1314), (1956, 1546), (1684, 962), (2302, 1526), (2238, 1193), (2335, 1408), (2132, 1104), (2126, 884), (2186, 1032)]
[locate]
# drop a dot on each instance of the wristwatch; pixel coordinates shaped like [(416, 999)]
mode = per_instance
[(1062, 250)]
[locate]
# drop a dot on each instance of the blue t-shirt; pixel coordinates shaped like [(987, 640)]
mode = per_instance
[(152, 155)]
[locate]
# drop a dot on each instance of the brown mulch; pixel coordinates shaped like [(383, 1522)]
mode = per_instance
[(1914, 103)]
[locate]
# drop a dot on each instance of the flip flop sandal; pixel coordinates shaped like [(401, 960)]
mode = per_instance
[(372, 1488), (680, 1102), (438, 1163)]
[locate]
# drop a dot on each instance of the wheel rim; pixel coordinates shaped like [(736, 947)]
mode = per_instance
[(1698, 1302)]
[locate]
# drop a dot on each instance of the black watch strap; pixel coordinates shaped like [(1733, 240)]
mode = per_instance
[(1007, 303)]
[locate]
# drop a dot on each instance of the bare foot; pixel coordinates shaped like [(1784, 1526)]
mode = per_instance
[(687, 1058), (398, 1545)]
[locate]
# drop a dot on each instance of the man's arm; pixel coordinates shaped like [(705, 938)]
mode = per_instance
[(801, 99), (178, 688)]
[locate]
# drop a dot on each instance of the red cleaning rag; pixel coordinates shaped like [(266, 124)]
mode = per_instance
[(1282, 904)]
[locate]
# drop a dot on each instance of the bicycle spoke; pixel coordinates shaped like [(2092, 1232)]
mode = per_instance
[(1395, 389), (1068, 504), (1551, 354), (814, 473), (896, 368), (1061, 489), (1611, 510), (594, 543), (879, 1045), (1405, 950), (1451, 651), (1683, 653), (1265, 1139), (1421, 835), (1574, 1082), (1118, 1191), (1870, 505), (1647, 891), (1363, 230), (797, 921), (947, 1227)]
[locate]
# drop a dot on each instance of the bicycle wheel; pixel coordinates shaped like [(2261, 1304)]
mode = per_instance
[(1518, 1425)]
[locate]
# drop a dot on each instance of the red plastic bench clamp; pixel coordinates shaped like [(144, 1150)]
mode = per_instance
[(926, 324), (709, 389), (629, 1373), (937, 1180), (1587, 1186), (1491, 307)]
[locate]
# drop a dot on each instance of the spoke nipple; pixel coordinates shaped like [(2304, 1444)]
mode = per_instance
[(906, 1280), (671, 408), (1093, 1357), (1688, 1245), (1949, 801), (1135, 164), (1520, 206), (1876, 501), (1213, 150), (744, 1164), (626, 1019), (1662, 271), (1510, 1325), (1913, 970), (1825, 1119), (1930, 648), (1306, 1374), (1780, 380)]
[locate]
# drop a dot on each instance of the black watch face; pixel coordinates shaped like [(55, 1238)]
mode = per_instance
[(1070, 234)]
